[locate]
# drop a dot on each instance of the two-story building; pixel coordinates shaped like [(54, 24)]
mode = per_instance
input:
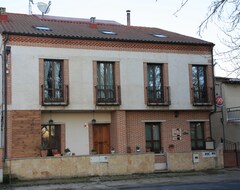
[(94, 84), (226, 120)]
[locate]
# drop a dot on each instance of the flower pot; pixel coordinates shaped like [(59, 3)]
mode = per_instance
[(44, 153)]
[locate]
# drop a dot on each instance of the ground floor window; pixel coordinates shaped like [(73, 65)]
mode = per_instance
[(51, 137), (153, 137), (197, 135)]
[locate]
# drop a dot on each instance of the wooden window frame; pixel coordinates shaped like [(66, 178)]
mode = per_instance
[(196, 139), (65, 79), (116, 101), (165, 85), (152, 141)]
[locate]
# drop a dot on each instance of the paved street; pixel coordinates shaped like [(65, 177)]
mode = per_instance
[(206, 180)]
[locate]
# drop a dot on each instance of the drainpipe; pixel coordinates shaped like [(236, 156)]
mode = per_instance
[(6, 52), (214, 101)]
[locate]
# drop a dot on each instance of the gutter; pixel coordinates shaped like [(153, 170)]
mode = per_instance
[(214, 100)]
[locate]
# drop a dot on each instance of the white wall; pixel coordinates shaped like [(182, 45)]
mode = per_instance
[(25, 75)]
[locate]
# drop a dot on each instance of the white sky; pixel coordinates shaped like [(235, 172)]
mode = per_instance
[(150, 13)]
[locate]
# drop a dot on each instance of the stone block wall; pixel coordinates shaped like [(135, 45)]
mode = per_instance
[(185, 162), (76, 166)]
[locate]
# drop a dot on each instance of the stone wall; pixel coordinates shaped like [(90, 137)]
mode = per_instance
[(76, 166), (185, 161)]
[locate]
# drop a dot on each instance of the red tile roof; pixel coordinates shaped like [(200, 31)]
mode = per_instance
[(63, 27)]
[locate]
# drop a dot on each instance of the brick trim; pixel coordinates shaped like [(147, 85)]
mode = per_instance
[(107, 45)]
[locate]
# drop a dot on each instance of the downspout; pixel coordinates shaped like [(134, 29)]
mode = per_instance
[(213, 94), (5, 96)]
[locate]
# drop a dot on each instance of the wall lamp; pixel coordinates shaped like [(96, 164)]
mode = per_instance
[(176, 113), (8, 50)]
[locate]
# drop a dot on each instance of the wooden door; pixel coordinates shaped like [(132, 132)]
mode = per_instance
[(101, 138)]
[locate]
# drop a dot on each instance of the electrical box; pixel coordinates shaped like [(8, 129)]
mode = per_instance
[(195, 158)]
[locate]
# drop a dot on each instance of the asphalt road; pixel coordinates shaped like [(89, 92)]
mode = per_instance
[(223, 179), (229, 185)]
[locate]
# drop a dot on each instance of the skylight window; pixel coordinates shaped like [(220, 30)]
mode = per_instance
[(159, 36), (45, 28), (108, 32)]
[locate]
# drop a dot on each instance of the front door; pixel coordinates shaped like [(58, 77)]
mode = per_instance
[(101, 138)]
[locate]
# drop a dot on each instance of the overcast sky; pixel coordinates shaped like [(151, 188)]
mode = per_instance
[(149, 13)]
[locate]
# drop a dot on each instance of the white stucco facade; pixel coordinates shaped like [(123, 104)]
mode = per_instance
[(25, 76)]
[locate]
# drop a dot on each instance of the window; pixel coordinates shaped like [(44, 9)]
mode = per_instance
[(159, 36), (153, 137), (200, 92), (108, 32), (157, 92), (197, 135), (105, 82), (54, 91), (44, 28), (51, 137), (155, 81)]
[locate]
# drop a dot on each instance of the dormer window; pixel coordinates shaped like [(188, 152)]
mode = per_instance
[(44, 28), (108, 32), (159, 36)]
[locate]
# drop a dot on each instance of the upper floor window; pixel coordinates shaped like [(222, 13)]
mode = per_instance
[(107, 92), (153, 137), (197, 135), (157, 92), (200, 90), (54, 90)]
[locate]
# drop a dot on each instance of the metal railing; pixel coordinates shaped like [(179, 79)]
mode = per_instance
[(56, 97), (108, 94), (204, 97), (158, 95)]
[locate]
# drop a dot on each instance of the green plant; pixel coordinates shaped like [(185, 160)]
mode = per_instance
[(43, 147), (94, 150), (66, 150)]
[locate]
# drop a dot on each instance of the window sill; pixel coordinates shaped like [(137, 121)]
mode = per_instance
[(202, 104), (158, 104), (54, 104), (107, 104)]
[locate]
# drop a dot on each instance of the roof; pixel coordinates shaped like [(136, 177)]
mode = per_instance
[(75, 28), (228, 80)]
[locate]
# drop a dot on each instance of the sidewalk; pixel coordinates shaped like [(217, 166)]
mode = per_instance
[(109, 182)]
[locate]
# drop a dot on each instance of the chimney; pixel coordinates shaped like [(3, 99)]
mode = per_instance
[(128, 18), (2, 10), (3, 16), (93, 23)]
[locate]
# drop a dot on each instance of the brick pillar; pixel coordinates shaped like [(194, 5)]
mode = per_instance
[(119, 131), (1, 165)]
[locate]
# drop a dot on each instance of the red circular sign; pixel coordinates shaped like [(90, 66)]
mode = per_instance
[(219, 101)]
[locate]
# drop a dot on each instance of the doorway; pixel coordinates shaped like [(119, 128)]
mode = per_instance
[(101, 138)]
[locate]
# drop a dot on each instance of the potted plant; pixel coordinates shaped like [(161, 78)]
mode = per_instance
[(112, 150), (138, 149), (67, 152), (148, 149), (129, 150), (171, 147), (94, 151), (43, 150)]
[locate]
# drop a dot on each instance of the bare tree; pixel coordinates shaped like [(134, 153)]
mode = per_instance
[(225, 14)]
